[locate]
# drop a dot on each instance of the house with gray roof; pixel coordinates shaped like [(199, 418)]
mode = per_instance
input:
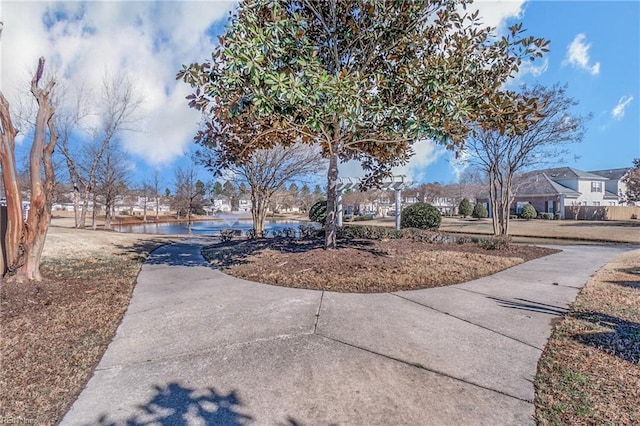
[(614, 183), (551, 190)]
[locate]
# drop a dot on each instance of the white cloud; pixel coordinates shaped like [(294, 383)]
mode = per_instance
[(426, 152), (618, 111), (578, 55), (459, 164), (146, 40), (495, 13)]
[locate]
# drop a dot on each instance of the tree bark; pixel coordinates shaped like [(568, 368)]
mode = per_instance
[(26, 264), (15, 222), (332, 193), (258, 213)]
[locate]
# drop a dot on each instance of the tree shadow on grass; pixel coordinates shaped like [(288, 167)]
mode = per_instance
[(226, 254), (178, 405), (633, 283), (623, 341)]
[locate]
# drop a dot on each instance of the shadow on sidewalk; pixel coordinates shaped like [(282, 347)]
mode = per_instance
[(178, 405), (529, 305)]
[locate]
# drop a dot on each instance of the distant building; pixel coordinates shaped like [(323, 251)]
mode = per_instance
[(551, 190)]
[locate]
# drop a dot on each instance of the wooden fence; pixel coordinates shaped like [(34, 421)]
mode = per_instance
[(601, 212)]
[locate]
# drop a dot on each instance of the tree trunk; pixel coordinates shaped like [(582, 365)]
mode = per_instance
[(94, 213), (85, 207), (189, 219), (509, 199), (34, 234), (258, 212), (76, 205), (144, 218), (495, 207), (107, 213), (332, 193), (15, 222)]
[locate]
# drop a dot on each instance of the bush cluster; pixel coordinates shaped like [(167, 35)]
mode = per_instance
[(465, 208), (363, 218), (494, 243), (480, 211), (528, 212), (318, 212), (421, 216)]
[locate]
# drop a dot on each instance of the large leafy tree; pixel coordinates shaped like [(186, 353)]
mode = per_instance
[(363, 79)]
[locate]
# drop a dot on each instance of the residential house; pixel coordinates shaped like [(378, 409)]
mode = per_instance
[(614, 183), (551, 190)]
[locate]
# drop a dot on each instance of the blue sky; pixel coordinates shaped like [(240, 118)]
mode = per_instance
[(607, 35), (595, 49)]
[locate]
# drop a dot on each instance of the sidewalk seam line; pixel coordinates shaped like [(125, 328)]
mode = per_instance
[(202, 351), (468, 322), (315, 326), (422, 367)]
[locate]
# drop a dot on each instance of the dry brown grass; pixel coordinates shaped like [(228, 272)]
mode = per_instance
[(365, 266), (55, 331), (589, 372), (623, 231)]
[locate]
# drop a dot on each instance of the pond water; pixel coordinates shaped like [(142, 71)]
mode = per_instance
[(212, 227)]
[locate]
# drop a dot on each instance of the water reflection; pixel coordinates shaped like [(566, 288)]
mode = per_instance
[(205, 227)]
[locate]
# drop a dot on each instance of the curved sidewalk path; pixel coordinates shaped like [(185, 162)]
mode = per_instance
[(199, 347)]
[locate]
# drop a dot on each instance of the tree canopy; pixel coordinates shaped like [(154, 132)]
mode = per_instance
[(362, 79)]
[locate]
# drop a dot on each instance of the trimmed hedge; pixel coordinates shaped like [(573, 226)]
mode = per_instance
[(421, 216)]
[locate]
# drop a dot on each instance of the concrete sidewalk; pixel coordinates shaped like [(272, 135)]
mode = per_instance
[(199, 347)]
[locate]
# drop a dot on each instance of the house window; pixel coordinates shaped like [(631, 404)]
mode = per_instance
[(596, 186), (596, 203)]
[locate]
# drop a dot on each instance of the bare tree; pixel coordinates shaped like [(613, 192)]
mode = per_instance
[(268, 170), (189, 194), (111, 112), (156, 191), (25, 240), (110, 181), (503, 153)]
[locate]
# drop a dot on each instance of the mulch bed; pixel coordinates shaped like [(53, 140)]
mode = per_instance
[(364, 266)]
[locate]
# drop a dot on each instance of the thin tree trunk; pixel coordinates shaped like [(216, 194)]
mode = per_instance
[(94, 213), (76, 206), (85, 206), (332, 182), (258, 213)]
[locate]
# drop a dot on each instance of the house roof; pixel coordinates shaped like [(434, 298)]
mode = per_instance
[(540, 183), (613, 174), (564, 173)]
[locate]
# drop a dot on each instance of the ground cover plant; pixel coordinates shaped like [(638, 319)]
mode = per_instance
[(589, 372), (55, 331), (367, 265)]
